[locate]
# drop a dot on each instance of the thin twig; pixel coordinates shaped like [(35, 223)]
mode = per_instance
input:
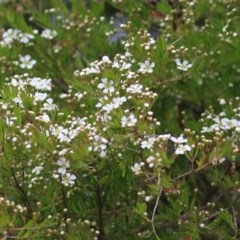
[(155, 206), (25, 198), (183, 175)]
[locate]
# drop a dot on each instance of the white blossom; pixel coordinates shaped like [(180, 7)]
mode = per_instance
[(48, 34), (37, 170), (41, 84), (148, 143), (184, 66), (39, 97), (134, 88), (68, 179), (146, 67), (179, 139), (106, 85), (181, 149), (27, 62), (63, 165), (25, 37), (49, 105), (136, 168), (44, 118), (9, 36), (129, 121)]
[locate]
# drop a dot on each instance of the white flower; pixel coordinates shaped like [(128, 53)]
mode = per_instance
[(99, 143), (129, 121), (164, 137), (134, 88), (102, 154), (9, 121), (148, 143), (179, 139), (41, 84), (49, 105), (37, 170), (25, 37), (121, 65), (27, 62), (78, 95), (148, 198), (184, 66), (136, 168), (229, 123), (18, 100), (68, 179), (90, 70), (181, 149), (222, 101), (44, 118), (118, 101), (63, 165), (224, 123), (105, 117), (105, 59), (108, 107), (106, 85), (48, 34), (62, 134), (39, 97), (146, 67), (10, 35), (20, 84)]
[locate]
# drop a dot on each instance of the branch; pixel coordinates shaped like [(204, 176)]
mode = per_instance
[(25, 198), (155, 207)]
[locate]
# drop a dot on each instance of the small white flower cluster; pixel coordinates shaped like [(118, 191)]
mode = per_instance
[(70, 131), (48, 34), (222, 128), (147, 42), (37, 170), (156, 142), (106, 106), (223, 123), (181, 145), (129, 121), (11, 35), (38, 86), (137, 168), (99, 144), (67, 179)]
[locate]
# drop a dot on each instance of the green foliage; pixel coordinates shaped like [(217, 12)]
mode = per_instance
[(119, 119)]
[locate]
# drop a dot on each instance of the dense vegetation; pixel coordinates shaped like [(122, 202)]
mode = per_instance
[(120, 119)]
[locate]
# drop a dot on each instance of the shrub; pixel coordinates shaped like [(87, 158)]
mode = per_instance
[(119, 119)]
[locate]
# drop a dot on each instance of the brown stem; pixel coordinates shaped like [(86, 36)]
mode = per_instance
[(25, 198)]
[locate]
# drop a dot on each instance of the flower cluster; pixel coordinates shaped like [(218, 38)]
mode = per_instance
[(11, 35), (67, 179), (123, 131)]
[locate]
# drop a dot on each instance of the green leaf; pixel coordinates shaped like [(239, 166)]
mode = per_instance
[(140, 209)]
